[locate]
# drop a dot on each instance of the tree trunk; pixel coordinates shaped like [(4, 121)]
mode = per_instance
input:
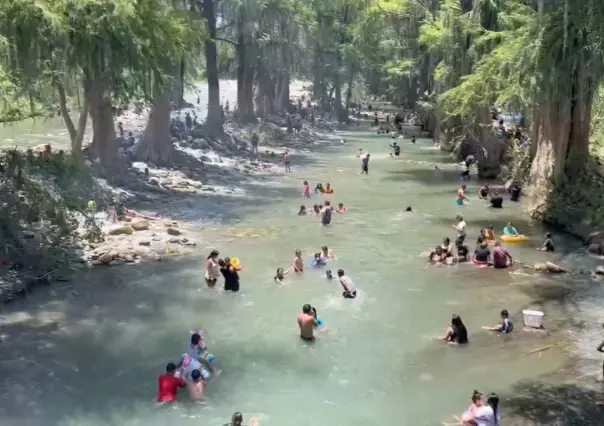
[(214, 119), (105, 146), (349, 91), (284, 92), (155, 144), (490, 149), (179, 95), (245, 75), (76, 135), (562, 143)]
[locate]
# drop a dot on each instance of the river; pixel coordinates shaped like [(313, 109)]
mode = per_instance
[(89, 352)]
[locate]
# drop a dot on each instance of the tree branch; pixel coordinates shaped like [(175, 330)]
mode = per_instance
[(225, 40)]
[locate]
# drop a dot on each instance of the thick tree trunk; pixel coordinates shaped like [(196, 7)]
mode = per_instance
[(155, 144), (562, 138), (490, 148), (349, 90), (214, 119), (245, 76), (104, 146), (179, 95)]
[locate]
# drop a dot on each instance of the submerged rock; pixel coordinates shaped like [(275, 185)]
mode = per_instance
[(600, 270), (173, 231), (549, 267), (120, 229)]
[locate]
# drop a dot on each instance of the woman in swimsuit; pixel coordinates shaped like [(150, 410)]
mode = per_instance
[(212, 269), (457, 332), (319, 188)]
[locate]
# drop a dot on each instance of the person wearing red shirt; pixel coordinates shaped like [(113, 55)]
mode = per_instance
[(169, 384)]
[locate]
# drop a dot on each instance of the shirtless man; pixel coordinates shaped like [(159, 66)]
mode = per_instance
[(307, 323), (287, 161), (297, 263), (196, 386)]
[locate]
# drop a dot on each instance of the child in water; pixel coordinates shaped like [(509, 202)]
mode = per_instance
[(320, 322), (306, 189), (280, 275), (318, 261), (506, 325), (302, 211), (316, 209), (548, 244), (328, 274), (341, 208)]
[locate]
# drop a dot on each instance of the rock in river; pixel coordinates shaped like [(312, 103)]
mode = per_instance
[(120, 229), (549, 267), (139, 224), (173, 231)]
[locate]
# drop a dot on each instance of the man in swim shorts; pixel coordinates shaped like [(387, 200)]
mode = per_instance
[(461, 195), (365, 165), (307, 323)]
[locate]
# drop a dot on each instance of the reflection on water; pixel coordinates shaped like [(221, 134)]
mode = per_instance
[(90, 353)]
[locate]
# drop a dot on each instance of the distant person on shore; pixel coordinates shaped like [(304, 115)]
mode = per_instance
[(287, 161), (548, 244), (506, 326), (306, 190), (255, 142), (365, 164), (496, 201), (307, 323), (461, 195), (169, 384), (457, 332), (350, 289)]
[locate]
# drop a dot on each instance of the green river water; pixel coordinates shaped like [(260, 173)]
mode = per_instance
[(89, 352)]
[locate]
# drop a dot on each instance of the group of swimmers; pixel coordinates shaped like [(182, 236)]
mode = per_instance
[(324, 210), (193, 370)]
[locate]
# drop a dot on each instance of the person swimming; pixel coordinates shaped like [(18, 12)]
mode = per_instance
[(341, 208), (318, 260), (437, 256), (326, 253), (510, 230), (489, 233), (302, 211), (408, 209), (328, 274), (280, 275), (328, 189), (319, 188), (316, 209)]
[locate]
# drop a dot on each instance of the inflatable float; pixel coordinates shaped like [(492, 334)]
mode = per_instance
[(236, 264), (514, 238)]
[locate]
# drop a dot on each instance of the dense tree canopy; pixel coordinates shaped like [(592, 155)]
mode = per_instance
[(453, 61)]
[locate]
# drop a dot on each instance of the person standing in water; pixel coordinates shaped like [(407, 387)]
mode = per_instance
[(365, 165), (326, 213), (297, 264), (461, 195), (460, 227), (307, 323), (169, 385), (306, 189), (287, 161), (212, 268), (350, 289), (230, 274), (196, 386)]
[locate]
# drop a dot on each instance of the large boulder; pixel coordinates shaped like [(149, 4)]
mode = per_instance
[(105, 258), (139, 224), (120, 229)]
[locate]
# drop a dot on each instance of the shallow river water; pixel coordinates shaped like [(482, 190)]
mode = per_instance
[(89, 353)]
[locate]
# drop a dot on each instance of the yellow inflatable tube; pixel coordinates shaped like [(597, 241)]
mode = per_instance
[(514, 238)]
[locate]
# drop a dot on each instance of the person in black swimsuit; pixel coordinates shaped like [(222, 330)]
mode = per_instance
[(457, 332), (231, 277), (496, 201), (482, 254), (484, 192), (548, 244)]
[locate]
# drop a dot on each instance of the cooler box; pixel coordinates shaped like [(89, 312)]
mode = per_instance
[(533, 319)]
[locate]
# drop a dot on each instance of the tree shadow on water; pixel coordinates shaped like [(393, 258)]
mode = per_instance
[(69, 341), (538, 403), (427, 176)]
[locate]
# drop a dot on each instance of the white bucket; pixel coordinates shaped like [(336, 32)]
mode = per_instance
[(533, 319)]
